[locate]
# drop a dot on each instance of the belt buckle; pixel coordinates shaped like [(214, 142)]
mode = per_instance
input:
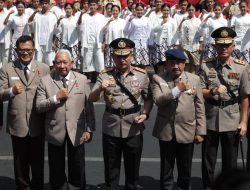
[(122, 112), (222, 104)]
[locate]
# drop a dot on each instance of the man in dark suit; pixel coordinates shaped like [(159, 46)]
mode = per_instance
[(19, 81), (69, 120)]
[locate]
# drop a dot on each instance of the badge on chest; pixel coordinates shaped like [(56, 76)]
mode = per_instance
[(134, 83), (233, 76)]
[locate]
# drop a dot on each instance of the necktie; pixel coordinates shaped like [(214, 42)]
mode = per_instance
[(219, 68), (64, 80), (26, 74)]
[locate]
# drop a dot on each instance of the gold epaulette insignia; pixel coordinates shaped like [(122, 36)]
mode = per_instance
[(209, 60), (107, 70), (140, 69), (238, 61)]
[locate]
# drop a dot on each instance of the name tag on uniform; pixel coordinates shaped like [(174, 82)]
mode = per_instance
[(163, 84), (15, 78), (233, 75), (212, 75), (248, 74), (135, 83)]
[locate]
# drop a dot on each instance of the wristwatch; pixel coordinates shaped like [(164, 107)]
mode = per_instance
[(212, 92)]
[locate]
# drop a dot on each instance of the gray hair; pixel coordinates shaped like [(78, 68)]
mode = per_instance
[(66, 52)]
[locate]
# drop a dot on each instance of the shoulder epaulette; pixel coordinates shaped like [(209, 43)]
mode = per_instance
[(107, 70), (140, 69), (209, 60), (238, 61)]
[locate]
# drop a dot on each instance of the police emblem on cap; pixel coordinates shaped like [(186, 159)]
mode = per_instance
[(121, 44), (224, 34)]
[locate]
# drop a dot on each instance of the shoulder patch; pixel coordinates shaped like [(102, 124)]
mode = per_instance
[(140, 69), (107, 70), (238, 61)]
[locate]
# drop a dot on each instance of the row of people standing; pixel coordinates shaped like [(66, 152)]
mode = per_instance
[(180, 122), (153, 32), (210, 109)]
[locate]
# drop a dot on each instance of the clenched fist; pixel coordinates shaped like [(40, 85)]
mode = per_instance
[(62, 94), (221, 89), (17, 88), (182, 85), (106, 83)]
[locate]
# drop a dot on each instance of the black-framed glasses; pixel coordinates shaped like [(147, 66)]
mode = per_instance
[(61, 62), (23, 51)]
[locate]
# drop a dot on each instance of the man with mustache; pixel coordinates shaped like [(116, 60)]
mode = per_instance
[(180, 120), (224, 91)]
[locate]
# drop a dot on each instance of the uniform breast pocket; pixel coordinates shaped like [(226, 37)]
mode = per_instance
[(50, 123), (78, 92), (13, 112), (234, 109)]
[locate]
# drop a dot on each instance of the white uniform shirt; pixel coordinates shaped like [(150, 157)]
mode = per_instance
[(29, 11), (35, 26), (178, 17), (20, 26), (190, 34), (3, 28), (138, 30), (115, 30), (165, 33), (68, 29), (58, 11), (212, 24), (126, 13), (91, 30), (242, 29), (153, 17), (12, 8)]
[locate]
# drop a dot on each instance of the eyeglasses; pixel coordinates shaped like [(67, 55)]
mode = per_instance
[(23, 51), (61, 62)]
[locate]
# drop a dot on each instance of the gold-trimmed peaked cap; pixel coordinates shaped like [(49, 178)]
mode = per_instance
[(224, 35), (122, 46)]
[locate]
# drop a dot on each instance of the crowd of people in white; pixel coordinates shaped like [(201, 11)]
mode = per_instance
[(154, 29)]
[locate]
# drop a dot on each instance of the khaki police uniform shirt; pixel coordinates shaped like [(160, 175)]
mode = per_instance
[(137, 83), (246, 81), (223, 118)]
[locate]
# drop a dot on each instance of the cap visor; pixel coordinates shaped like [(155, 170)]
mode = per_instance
[(122, 52), (223, 41)]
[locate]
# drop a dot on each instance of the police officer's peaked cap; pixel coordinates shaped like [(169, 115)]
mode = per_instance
[(122, 46), (223, 35), (175, 54)]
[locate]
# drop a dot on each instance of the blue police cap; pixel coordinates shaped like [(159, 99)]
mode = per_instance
[(175, 54)]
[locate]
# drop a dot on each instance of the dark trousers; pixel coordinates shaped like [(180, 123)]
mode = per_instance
[(183, 154), (248, 145), (113, 149), (76, 165), (229, 147), (28, 154), (1, 115)]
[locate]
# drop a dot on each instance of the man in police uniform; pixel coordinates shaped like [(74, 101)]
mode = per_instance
[(180, 118), (124, 87), (246, 76), (222, 80)]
